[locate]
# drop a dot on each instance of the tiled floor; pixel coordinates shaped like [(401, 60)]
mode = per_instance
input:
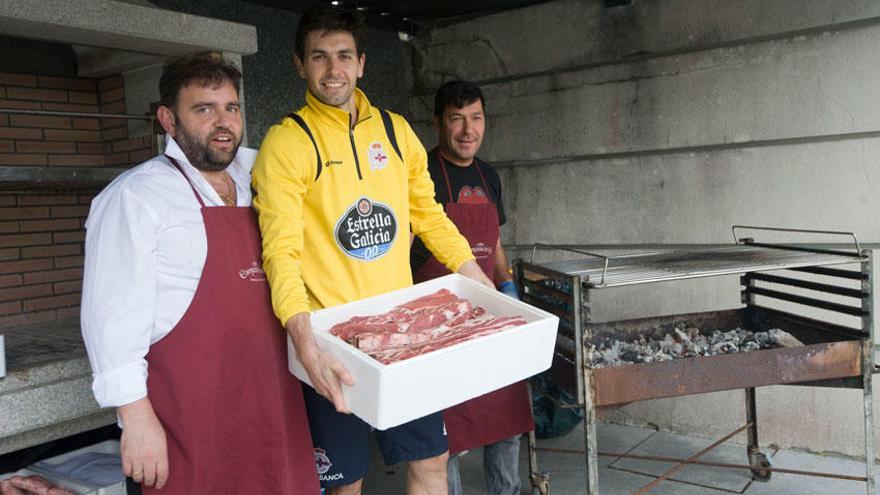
[(624, 476)]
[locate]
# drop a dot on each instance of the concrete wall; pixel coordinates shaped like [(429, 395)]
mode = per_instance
[(667, 122), (272, 87)]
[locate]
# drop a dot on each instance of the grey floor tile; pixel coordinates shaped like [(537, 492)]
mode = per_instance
[(671, 445), (568, 474)]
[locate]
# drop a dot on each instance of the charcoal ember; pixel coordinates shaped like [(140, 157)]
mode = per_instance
[(684, 343)]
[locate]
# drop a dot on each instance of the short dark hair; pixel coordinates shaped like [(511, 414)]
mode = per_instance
[(457, 94), (330, 19), (205, 69)]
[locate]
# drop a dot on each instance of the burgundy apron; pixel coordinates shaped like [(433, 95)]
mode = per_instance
[(505, 412), (233, 415)]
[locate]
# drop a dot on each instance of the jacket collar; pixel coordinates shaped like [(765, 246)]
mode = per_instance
[(337, 117)]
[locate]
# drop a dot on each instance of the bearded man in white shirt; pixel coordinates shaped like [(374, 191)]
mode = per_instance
[(176, 314)]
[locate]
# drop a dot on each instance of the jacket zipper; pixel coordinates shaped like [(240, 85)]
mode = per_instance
[(357, 162)]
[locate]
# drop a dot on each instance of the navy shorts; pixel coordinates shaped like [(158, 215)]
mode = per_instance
[(342, 441)]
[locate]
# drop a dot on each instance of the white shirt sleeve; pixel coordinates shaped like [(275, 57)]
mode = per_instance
[(119, 293)]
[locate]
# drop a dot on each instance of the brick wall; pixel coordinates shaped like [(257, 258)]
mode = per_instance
[(41, 256), (41, 233), (37, 140)]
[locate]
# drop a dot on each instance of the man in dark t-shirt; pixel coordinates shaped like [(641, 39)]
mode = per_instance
[(470, 191), (466, 188)]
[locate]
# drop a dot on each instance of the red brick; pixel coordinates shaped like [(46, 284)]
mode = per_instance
[(115, 134), (9, 79), (90, 148), (127, 145), (68, 287), (69, 211), (22, 159), (116, 159), (110, 82), (25, 266), (10, 254), (140, 156), (15, 133), (74, 83), (82, 98), (65, 135), (45, 146), (19, 105), (16, 240), (85, 199), (7, 146), (46, 199), (77, 160), (23, 213), (49, 225), (36, 94), (71, 312), (9, 308), (70, 107), (9, 227), (10, 280), (27, 319), (114, 107), (69, 262), (52, 276), (111, 95), (7, 199), (49, 251), (51, 302), (41, 121), (84, 123), (4, 120), (78, 236), (25, 292)]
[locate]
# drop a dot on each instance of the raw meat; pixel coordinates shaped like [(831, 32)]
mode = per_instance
[(423, 325), (32, 485)]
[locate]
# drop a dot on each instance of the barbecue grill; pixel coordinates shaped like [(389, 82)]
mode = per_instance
[(833, 354)]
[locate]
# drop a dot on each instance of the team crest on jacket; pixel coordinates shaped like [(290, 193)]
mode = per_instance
[(378, 157), (366, 230)]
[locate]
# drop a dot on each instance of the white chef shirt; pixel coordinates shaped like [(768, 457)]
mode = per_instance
[(144, 253)]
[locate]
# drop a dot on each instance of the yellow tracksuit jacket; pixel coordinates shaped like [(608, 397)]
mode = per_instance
[(340, 232)]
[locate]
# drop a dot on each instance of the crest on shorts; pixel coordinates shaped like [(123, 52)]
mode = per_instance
[(322, 461)]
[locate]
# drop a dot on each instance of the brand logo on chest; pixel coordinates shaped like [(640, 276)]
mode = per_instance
[(253, 273), (367, 230)]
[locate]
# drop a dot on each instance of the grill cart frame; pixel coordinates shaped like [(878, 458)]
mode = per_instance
[(833, 355)]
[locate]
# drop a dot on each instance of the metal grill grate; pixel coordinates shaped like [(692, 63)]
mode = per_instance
[(612, 271)]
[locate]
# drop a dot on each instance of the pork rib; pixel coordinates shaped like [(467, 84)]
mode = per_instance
[(420, 326)]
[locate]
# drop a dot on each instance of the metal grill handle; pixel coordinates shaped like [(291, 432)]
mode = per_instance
[(801, 231), (537, 245)]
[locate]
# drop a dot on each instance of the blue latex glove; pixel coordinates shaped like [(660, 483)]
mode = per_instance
[(509, 288)]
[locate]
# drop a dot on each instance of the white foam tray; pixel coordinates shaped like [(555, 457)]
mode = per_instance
[(77, 486), (389, 395)]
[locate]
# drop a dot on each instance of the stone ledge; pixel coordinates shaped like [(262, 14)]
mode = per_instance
[(123, 26)]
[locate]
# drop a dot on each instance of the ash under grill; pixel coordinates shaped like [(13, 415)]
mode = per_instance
[(830, 355)]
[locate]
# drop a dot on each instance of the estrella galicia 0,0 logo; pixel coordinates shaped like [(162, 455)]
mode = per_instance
[(366, 230)]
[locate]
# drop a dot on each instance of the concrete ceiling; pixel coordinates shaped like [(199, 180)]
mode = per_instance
[(408, 16)]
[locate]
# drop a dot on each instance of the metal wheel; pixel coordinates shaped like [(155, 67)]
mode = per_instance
[(759, 463), (540, 484)]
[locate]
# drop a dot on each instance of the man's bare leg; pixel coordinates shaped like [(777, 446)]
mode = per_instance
[(427, 476), (350, 489)]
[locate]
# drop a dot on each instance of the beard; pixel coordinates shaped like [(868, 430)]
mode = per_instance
[(200, 154)]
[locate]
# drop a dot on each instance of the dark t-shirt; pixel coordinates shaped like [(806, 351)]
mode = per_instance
[(466, 188)]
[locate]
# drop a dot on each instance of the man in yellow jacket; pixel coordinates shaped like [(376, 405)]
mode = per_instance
[(339, 184)]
